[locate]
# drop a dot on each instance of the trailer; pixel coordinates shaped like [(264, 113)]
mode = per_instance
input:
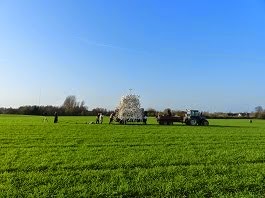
[(168, 120), (191, 117)]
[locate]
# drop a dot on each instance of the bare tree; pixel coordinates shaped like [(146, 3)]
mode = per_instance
[(258, 109), (168, 112), (70, 104), (151, 112), (259, 112)]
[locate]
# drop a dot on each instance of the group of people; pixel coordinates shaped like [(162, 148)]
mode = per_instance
[(99, 118)]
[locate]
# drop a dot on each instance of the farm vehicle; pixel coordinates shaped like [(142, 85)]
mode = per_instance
[(191, 117)]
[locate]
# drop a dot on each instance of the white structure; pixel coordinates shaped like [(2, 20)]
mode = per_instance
[(130, 109)]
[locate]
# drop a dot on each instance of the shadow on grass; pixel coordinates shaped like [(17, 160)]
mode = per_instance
[(224, 126), (96, 166), (156, 124), (183, 125)]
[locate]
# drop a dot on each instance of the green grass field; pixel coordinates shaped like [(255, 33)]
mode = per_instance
[(75, 159)]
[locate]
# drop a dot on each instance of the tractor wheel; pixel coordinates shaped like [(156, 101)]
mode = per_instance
[(205, 123), (193, 122)]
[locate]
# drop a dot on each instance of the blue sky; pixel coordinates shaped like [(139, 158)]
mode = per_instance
[(207, 55)]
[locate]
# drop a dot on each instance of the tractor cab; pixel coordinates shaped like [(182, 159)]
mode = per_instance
[(194, 117), (193, 113)]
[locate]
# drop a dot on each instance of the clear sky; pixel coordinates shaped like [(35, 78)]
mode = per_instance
[(208, 55)]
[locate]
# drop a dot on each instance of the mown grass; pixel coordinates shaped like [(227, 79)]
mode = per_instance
[(76, 159)]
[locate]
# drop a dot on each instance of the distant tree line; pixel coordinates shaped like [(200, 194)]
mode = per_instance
[(71, 107)]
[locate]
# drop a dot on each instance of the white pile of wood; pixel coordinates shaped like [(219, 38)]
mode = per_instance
[(129, 108)]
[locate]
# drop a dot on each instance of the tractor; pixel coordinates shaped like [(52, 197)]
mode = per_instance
[(194, 117), (191, 117)]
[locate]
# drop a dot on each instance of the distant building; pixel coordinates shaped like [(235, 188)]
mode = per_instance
[(245, 115)]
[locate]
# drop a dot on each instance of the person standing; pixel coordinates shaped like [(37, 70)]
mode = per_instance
[(97, 119), (55, 117), (101, 118), (111, 117), (169, 112), (145, 119)]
